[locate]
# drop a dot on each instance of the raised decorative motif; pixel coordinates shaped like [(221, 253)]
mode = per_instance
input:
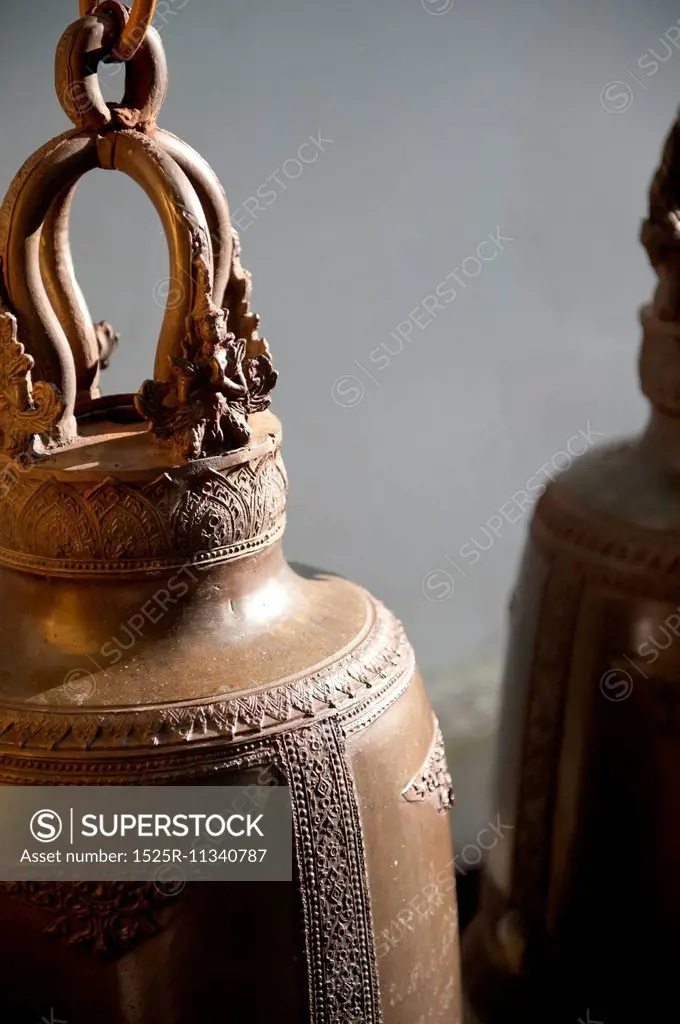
[(559, 523), (252, 665), (661, 230), (47, 523), (107, 343), (381, 663), (433, 782), (26, 409), (106, 919), (221, 378), (243, 323), (341, 952), (621, 555)]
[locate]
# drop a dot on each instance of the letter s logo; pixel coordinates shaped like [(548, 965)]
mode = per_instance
[(46, 826)]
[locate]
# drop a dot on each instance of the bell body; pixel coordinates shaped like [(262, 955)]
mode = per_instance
[(152, 633), (580, 911), (155, 635), (580, 914)]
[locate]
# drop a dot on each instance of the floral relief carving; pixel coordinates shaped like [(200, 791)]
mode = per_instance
[(48, 522), (106, 919), (27, 410), (433, 782), (221, 377)]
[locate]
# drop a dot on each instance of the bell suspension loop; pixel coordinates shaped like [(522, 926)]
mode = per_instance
[(212, 369)]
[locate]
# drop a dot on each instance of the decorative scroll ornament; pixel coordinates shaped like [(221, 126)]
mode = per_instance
[(243, 323), (212, 369), (107, 343), (660, 233), (433, 782), (106, 919), (55, 526), (341, 953), (26, 409), (358, 686), (220, 380)]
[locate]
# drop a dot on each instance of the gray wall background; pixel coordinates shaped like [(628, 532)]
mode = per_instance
[(445, 127)]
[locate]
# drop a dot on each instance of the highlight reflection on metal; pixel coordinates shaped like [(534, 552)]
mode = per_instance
[(585, 900), (152, 631)]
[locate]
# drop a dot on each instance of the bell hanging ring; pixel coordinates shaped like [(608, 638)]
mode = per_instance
[(89, 41), (135, 30), (141, 554)]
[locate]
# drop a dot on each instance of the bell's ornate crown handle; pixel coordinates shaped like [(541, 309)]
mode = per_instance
[(660, 235), (212, 369)]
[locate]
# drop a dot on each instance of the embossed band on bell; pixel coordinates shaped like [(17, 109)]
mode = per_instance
[(153, 634), (61, 518)]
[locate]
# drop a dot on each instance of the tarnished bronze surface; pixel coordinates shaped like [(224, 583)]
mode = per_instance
[(132, 36), (580, 915), (153, 633)]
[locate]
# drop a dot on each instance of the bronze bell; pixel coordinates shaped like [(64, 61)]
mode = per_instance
[(153, 633), (580, 914)]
